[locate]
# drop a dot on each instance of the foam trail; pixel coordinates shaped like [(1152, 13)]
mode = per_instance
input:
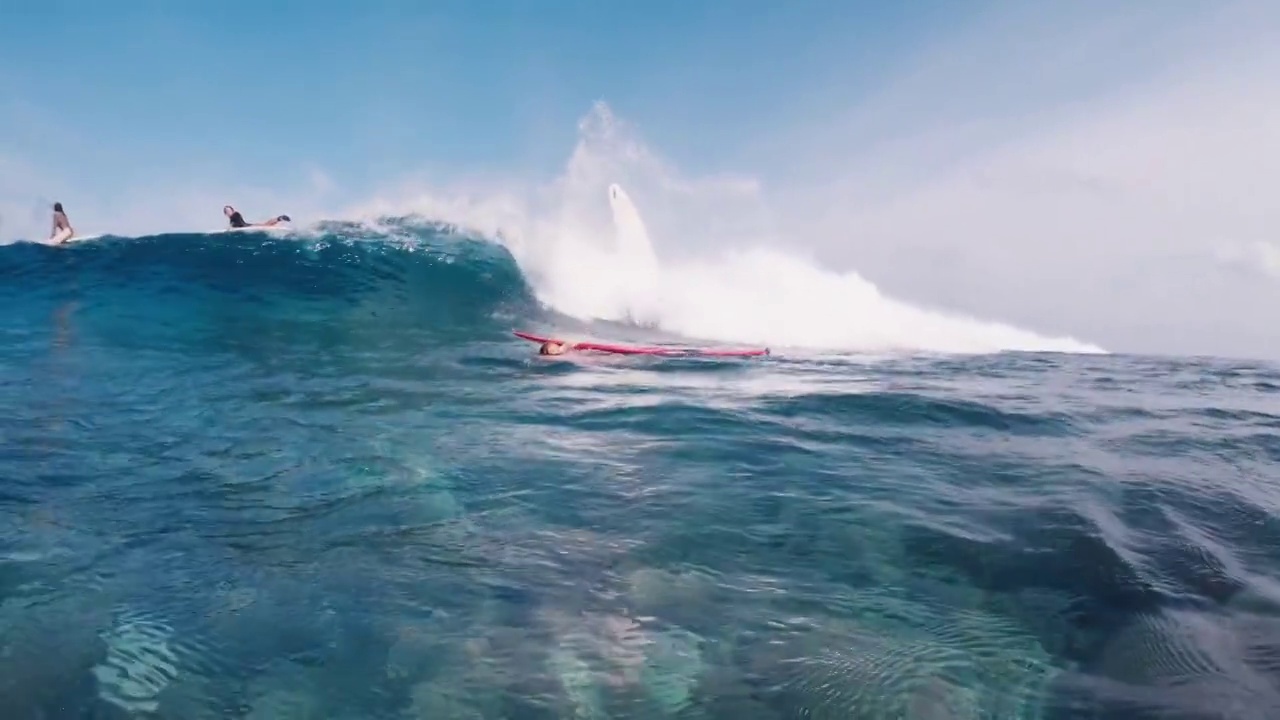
[(704, 299), (755, 295), (635, 254), (769, 297), (632, 235)]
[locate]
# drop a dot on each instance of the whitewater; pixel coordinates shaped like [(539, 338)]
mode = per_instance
[(584, 244), (310, 473)]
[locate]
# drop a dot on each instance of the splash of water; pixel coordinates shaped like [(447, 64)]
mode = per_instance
[(700, 261)]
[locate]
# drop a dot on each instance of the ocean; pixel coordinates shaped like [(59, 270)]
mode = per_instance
[(274, 476)]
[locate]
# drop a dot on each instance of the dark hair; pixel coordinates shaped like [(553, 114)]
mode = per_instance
[(57, 207)]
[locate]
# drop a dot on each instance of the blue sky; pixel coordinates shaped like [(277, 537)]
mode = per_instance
[(113, 92)]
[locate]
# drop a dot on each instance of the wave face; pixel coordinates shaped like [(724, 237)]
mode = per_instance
[(436, 278), (424, 278)]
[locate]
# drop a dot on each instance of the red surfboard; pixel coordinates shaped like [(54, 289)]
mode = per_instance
[(665, 351)]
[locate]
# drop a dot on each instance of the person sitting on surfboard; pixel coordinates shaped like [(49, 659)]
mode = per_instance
[(238, 221), (62, 231), (552, 348)]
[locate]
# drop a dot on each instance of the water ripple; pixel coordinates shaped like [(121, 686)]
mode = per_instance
[(254, 479)]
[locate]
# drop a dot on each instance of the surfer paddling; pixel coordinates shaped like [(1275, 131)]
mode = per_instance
[(237, 220), (62, 231), (552, 346)]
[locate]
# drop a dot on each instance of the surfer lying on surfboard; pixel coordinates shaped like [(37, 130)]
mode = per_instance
[(62, 231), (237, 220), (554, 346)]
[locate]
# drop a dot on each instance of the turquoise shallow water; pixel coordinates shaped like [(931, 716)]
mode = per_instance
[(245, 477)]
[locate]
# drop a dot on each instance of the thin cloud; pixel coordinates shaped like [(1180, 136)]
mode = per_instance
[(1096, 208)]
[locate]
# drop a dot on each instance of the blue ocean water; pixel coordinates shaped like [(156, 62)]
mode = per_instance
[(261, 477)]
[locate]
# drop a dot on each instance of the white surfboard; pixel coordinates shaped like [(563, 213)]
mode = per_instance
[(281, 228), (57, 240)]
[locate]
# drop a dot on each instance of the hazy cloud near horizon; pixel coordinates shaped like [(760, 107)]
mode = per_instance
[(1132, 206)]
